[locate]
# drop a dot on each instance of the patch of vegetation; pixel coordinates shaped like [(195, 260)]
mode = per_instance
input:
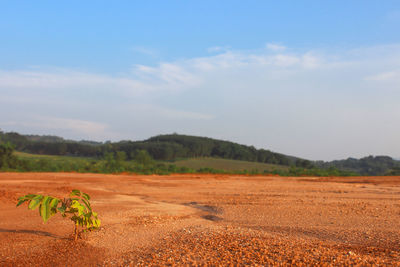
[(143, 163), (7, 158), (77, 207), (157, 155), (162, 147), (394, 171), (378, 165), (110, 163), (228, 165)]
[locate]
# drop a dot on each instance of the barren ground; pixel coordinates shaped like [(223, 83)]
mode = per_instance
[(206, 220)]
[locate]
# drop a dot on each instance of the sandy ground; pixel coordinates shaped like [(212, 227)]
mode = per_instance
[(206, 220)]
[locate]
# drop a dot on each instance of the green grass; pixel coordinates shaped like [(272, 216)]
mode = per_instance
[(49, 163), (23, 155), (37, 162), (227, 164), (52, 163), (193, 163)]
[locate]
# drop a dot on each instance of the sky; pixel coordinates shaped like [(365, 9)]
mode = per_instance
[(313, 79)]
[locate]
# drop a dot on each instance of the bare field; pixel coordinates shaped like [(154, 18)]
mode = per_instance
[(206, 220)]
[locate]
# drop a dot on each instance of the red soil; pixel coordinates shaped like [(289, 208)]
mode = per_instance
[(206, 220)]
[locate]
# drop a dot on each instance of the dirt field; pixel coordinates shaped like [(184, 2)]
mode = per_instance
[(206, 220)]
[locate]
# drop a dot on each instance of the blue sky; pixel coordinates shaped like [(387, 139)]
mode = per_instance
[(316, 79)]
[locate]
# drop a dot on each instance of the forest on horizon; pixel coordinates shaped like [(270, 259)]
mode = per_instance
[(172, 147)]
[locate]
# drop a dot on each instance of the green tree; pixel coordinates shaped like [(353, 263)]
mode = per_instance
[(142, 157), (120, 156), (7, 159)]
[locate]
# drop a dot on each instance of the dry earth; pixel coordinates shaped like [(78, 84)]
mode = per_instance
[(206, 220)]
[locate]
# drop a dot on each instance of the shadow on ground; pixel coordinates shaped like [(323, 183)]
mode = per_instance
[(33, 232)]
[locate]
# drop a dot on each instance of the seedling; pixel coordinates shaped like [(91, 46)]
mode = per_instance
[(76, 207)]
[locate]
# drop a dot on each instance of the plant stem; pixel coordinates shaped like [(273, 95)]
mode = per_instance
[(76, 232)]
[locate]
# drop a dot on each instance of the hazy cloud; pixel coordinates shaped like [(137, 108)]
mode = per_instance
[(385, 76), (275, 47), (315, 104), (77, 127), (216, 49), (145, 50), (168, 113), (61, 79)]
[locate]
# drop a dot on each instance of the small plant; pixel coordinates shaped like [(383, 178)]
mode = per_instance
[(77, 207)]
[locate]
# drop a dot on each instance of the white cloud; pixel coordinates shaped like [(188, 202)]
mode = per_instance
[(311, 61), (62, 79), (385, 76), (288, 101), (168, 113), (68, 126), (145, 50), (80, 126), (144, 80), (275, 47), (165, 77), (216, 49), (179, 114), (285, 60)]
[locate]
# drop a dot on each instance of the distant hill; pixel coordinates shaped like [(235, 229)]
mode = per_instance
[(45, 138), (162, 147), (173, 147), (378, 165), (57, 139)]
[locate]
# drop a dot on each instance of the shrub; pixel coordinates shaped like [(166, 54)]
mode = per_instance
[(77, 207)]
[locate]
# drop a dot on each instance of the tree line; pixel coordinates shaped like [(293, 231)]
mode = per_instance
[(141, 163), (174, 146), (162, 147), (370, 165)]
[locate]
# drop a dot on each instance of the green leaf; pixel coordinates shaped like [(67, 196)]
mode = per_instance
[(78, 206), (21, 201), (45, 208), (33, 204), (75, 204), (27, 197), (53, 205), (85, 196), (54, 202), (96, 223), (61, 209), (75, 192), (87, 204)]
